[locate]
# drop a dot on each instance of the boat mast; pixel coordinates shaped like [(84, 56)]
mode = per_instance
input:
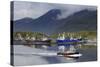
[(20, 37), (63, 35)]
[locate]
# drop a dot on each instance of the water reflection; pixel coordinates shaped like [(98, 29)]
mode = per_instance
[(88, 54)]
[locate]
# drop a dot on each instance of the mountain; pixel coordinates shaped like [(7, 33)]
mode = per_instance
[(45, 23), (23, 24), (49, 22), (84, 20)]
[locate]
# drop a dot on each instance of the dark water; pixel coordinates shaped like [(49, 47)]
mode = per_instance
[(88, 54)]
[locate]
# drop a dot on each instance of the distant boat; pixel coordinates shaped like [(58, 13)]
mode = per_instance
[(38, 42), (19, 37), (44, 42), (61, 40)]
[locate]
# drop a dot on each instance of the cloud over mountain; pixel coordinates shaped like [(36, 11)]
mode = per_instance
[(34, 9)]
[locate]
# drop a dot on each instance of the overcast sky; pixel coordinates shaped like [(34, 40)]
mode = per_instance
[(34, 10)]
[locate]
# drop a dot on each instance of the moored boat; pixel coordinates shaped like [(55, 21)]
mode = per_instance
[(66, 46)]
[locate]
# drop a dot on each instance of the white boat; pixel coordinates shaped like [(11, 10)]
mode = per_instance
[(67, 55), (63, 50)]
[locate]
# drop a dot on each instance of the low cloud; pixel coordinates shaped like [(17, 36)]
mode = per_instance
[(34, 9)]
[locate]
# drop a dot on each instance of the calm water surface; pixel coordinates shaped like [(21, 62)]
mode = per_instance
[(88, 54)]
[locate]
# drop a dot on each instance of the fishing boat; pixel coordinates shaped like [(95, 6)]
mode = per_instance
[(66, 47), (37, 42)]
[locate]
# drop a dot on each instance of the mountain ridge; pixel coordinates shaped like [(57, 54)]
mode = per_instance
[(49, 23)]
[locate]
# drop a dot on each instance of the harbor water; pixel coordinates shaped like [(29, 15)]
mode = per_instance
[(23, 55)]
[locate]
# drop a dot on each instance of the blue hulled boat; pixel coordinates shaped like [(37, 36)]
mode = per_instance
[(66, 45), (61, 40)]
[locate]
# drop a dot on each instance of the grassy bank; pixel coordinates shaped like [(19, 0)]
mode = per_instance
[(89, 46)]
